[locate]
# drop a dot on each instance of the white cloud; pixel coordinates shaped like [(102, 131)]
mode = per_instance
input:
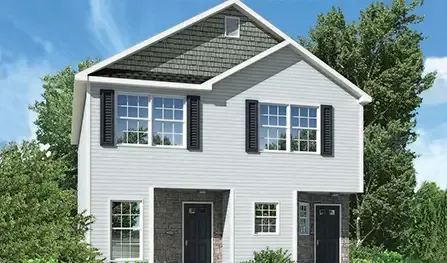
[(431, 165), (438, 93), (20, 85), (45, 44), (104, 28)]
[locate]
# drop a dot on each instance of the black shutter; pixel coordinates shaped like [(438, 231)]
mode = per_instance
[(193, 122), (327, 130), (107, 117), (251, 126)]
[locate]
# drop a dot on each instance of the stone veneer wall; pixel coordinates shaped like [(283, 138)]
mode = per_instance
[(168, 222), (306, 243)]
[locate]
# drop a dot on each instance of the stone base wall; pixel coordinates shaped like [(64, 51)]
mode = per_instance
[(168, 222), (306, 242)]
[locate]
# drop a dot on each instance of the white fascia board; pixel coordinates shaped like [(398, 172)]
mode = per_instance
[(144, 83), (83, 75), (209, 83), (363, 97)]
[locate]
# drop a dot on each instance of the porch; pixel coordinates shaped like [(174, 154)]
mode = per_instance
[(184, 216)]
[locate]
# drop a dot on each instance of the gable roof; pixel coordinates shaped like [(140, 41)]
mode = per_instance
[(83, 77)]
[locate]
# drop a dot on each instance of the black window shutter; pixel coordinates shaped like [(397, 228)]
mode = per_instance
[(193, 122), (251, 126), (327, 130), (107, 117)]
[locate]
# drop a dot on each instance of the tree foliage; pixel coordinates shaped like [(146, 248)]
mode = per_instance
[(54, 119), (380, 54), (426, 236), (36, 218)]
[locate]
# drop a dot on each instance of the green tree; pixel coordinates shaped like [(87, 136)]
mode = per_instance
[(54, 119), (425, 238), (381, 54), (36, 219)]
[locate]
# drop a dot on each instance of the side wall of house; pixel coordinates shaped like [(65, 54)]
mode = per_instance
[(128, 171), (84, 159)]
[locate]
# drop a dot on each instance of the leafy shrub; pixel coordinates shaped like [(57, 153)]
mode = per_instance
[(271, 256), (374, 255), (41, 260)]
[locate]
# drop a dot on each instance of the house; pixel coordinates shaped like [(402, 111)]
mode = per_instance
[(216, 138)]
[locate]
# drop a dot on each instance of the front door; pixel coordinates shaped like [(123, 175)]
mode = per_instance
[(197, 233), (327, 233)]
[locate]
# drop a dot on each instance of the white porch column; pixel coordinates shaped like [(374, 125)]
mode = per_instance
[(295, 226), (151, 224)]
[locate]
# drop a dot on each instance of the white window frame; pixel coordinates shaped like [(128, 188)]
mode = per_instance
[(289, 126), (276, 126), (307, 206), (238, 29), (277, 217), (150, 119), (140, 228)]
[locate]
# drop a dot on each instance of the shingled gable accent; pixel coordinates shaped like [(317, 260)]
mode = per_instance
[(195, 54)]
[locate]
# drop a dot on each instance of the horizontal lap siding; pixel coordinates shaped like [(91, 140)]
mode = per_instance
[(223, 162)]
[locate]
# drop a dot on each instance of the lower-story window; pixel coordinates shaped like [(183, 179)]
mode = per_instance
[(304, 225), (126, 230), (266, 218)]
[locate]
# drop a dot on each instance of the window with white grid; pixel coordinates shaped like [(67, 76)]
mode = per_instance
[(126, 230), (133, 119), (266, 218), (304, 129), (168, 121), (273, 128), (304, 218)]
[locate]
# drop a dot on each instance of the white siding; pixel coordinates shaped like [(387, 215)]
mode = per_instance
[(128, 172)]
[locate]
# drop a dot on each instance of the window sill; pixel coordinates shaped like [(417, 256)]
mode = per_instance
[(127, 260), (151, 146), (266, 234), (286, 152)]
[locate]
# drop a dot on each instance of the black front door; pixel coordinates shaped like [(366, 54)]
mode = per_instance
[(197, 236), (328, 234)]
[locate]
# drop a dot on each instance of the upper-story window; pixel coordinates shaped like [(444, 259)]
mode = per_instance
[(288, 128), (232, 27), (143, 119)]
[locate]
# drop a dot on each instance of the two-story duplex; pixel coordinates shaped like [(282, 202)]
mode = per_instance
[(216, 138)]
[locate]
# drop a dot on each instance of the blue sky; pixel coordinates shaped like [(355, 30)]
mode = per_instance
[(40, 37)]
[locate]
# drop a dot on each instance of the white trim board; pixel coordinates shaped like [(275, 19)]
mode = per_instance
[(315, 230), (183, 226)]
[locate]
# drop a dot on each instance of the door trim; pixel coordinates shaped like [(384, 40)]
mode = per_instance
[(183, 226), (315, 230)]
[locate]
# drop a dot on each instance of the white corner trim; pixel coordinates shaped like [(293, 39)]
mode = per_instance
[(87, 162), (208, 84), (144, 83), (151, 224), (231, 203), (295, 226)]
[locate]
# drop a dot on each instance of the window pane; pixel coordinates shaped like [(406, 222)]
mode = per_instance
[(282, 110), (122, 100), (312, 112), (135, 251), (274, 110), (143, 101), (312, 135), (132, 125), (178, 140), (178, 103), (158, 102), (273, 144), (282, 145), (273, 120), (167, 127), (272, 229), (313, 123), (294, 134), (133, 112), (157, 126), (312, 146), (263, 144), (116, 208), (294, 145), (282, 121), (303, 146), (264, 120), (132, 137), (122, 125), (116, 250), (263, 132), (178, 115), (132, 100), (122, 111), (304, 112), (304, 122), (143, 126), (258, 229), (295, 111), (303, 134), (157, 114), (121, 137), (168, 114), (282, 133), (116, 220), (156, 139), (125, 236), (143, 138), (167, 140), (264, 109), (168, 103), (178, 127), (143, 112)]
